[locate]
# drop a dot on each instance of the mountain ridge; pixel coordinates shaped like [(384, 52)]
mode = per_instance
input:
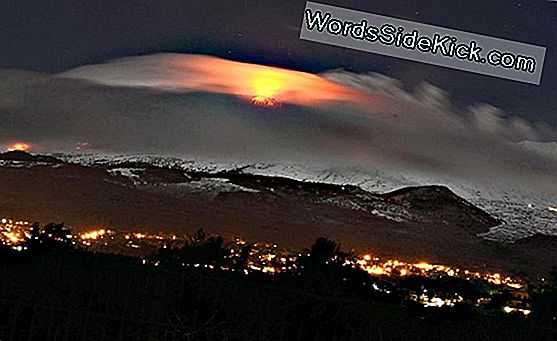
[(132, 196)]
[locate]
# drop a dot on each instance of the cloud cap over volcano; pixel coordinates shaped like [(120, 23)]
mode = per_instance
[(126, 107), (180, 72)]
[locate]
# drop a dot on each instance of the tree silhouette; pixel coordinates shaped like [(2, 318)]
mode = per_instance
[(323, 250), (323, 255), (52, 236), (545, 302), (199, 250), (242, 261)]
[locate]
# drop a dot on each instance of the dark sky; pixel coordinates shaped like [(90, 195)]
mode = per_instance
[(53, 36)]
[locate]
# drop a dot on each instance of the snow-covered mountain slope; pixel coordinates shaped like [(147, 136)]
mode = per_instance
[(523, 213)]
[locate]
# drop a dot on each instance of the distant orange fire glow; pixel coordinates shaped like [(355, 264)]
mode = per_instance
[(19, 146)]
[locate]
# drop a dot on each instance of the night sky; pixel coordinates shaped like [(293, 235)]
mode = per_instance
[(54, 36)]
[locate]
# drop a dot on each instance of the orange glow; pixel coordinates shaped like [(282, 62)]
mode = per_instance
[(393, 267), (267, 102), (94, 234), (20, 146), (267, 83), (259, 82), (200, 73)]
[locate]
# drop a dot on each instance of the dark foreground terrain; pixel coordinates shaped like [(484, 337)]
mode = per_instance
[(55, 292)]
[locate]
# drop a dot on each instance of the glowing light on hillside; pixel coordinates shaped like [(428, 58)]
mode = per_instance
[(13, 237), (267, 258), (19, 146), (13, 232), (393, 267), (525, 312), (94, 234)]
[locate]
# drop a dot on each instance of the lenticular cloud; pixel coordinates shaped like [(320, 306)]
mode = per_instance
[(181, 72)]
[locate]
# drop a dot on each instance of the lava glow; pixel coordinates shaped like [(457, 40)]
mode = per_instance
[(19, 146), (263, 85), (256, 83), (267, 102), (267, 83)]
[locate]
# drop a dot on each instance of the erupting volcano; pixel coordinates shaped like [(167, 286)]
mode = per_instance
[(261, 85), (267, 102), (266, 85)]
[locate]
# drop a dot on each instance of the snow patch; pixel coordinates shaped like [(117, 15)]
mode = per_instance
[(131, 173)]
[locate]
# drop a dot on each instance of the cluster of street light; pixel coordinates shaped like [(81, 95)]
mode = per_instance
[(264, 257), (393, 267)]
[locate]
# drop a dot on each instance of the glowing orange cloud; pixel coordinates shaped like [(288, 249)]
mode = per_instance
[(185, 72), (251, 80)]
